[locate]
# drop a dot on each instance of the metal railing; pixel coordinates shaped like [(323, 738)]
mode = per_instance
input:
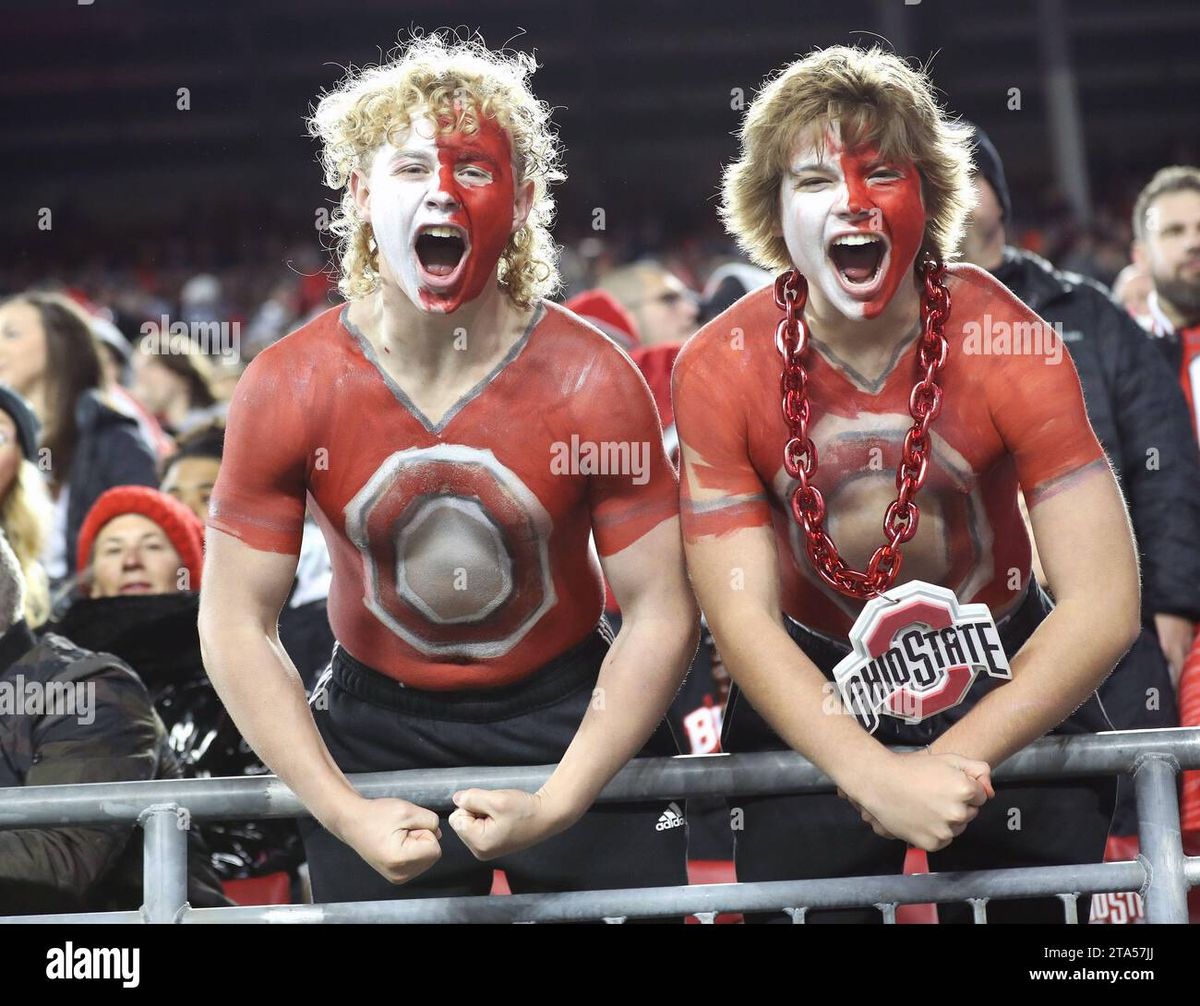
[(1162, 873)]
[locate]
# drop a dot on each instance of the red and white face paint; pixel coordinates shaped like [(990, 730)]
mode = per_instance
[(441, 207), (852, 222)]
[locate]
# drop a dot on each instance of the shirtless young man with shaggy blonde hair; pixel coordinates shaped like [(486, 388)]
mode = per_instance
[(852, 448)]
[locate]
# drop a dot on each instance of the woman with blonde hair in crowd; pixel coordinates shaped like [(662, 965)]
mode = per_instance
[(25, 507), (48, 354)]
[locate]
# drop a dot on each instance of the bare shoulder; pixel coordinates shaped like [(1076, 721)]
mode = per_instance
[(583, 352), (320, 328), (731, 342), (977, 291), (576, 333)]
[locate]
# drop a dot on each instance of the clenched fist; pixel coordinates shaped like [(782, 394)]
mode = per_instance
[(926, 799), (495, 822), (397, 838)]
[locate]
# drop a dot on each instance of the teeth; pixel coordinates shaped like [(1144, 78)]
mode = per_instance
[(440, 232), (856, 239)]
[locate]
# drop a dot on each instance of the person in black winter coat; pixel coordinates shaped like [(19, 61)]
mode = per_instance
[(1141, 418), (141, 554), (100, 728)]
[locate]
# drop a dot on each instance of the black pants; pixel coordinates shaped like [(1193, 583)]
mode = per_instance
[(371, 724), (821, 835)]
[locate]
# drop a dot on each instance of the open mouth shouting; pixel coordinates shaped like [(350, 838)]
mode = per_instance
[(860, 261), (441, 252)]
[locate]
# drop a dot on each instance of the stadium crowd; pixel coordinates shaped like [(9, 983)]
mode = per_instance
[(114, 381)]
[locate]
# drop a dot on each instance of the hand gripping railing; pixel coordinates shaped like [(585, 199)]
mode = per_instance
[(1161, 873)]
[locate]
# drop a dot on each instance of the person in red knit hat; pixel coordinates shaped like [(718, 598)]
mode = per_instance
[(137, 540), (140, 555)]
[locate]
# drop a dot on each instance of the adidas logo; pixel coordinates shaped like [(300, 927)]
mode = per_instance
[(670, 818)]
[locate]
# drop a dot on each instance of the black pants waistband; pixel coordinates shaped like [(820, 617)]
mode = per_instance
[(571, 670)]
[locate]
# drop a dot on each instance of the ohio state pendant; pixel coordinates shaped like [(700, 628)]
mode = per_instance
[(916, 652)]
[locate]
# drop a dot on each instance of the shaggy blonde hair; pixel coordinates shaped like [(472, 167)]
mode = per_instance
[(462, 80), (877, 98), (25, 518)]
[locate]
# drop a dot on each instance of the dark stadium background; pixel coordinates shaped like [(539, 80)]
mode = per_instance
[(643, 93)]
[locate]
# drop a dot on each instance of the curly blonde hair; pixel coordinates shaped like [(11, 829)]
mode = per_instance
[(463, 81), (877, 98)]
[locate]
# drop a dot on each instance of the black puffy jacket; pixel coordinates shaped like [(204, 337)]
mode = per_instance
[(157, 636), (1140, 416), (113, 736)]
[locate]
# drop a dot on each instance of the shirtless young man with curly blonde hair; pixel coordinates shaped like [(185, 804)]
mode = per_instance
[(459, 439)]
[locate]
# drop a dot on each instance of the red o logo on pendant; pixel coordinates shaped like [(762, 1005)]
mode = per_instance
[(949, 688), (915, 652)]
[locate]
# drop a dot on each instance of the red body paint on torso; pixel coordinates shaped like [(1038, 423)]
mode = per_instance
[(1005, 420), (460, 555)]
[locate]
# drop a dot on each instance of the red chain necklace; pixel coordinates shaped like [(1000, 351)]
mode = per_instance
[(800, 453)]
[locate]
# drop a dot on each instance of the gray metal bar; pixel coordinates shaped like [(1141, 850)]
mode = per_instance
[(761, 773), (658, 902), (1154, 757), (101, 803), (1159, 842), (1191, 871), (1070, 908), (83, 919), (164, 865), (1109, 753)]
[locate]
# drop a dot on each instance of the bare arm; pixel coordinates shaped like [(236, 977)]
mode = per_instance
[(1082, 534), (635, 525), (243, 592), (1086, 545), (731, 556), (926, 801), (642, 671), (736, 578)]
